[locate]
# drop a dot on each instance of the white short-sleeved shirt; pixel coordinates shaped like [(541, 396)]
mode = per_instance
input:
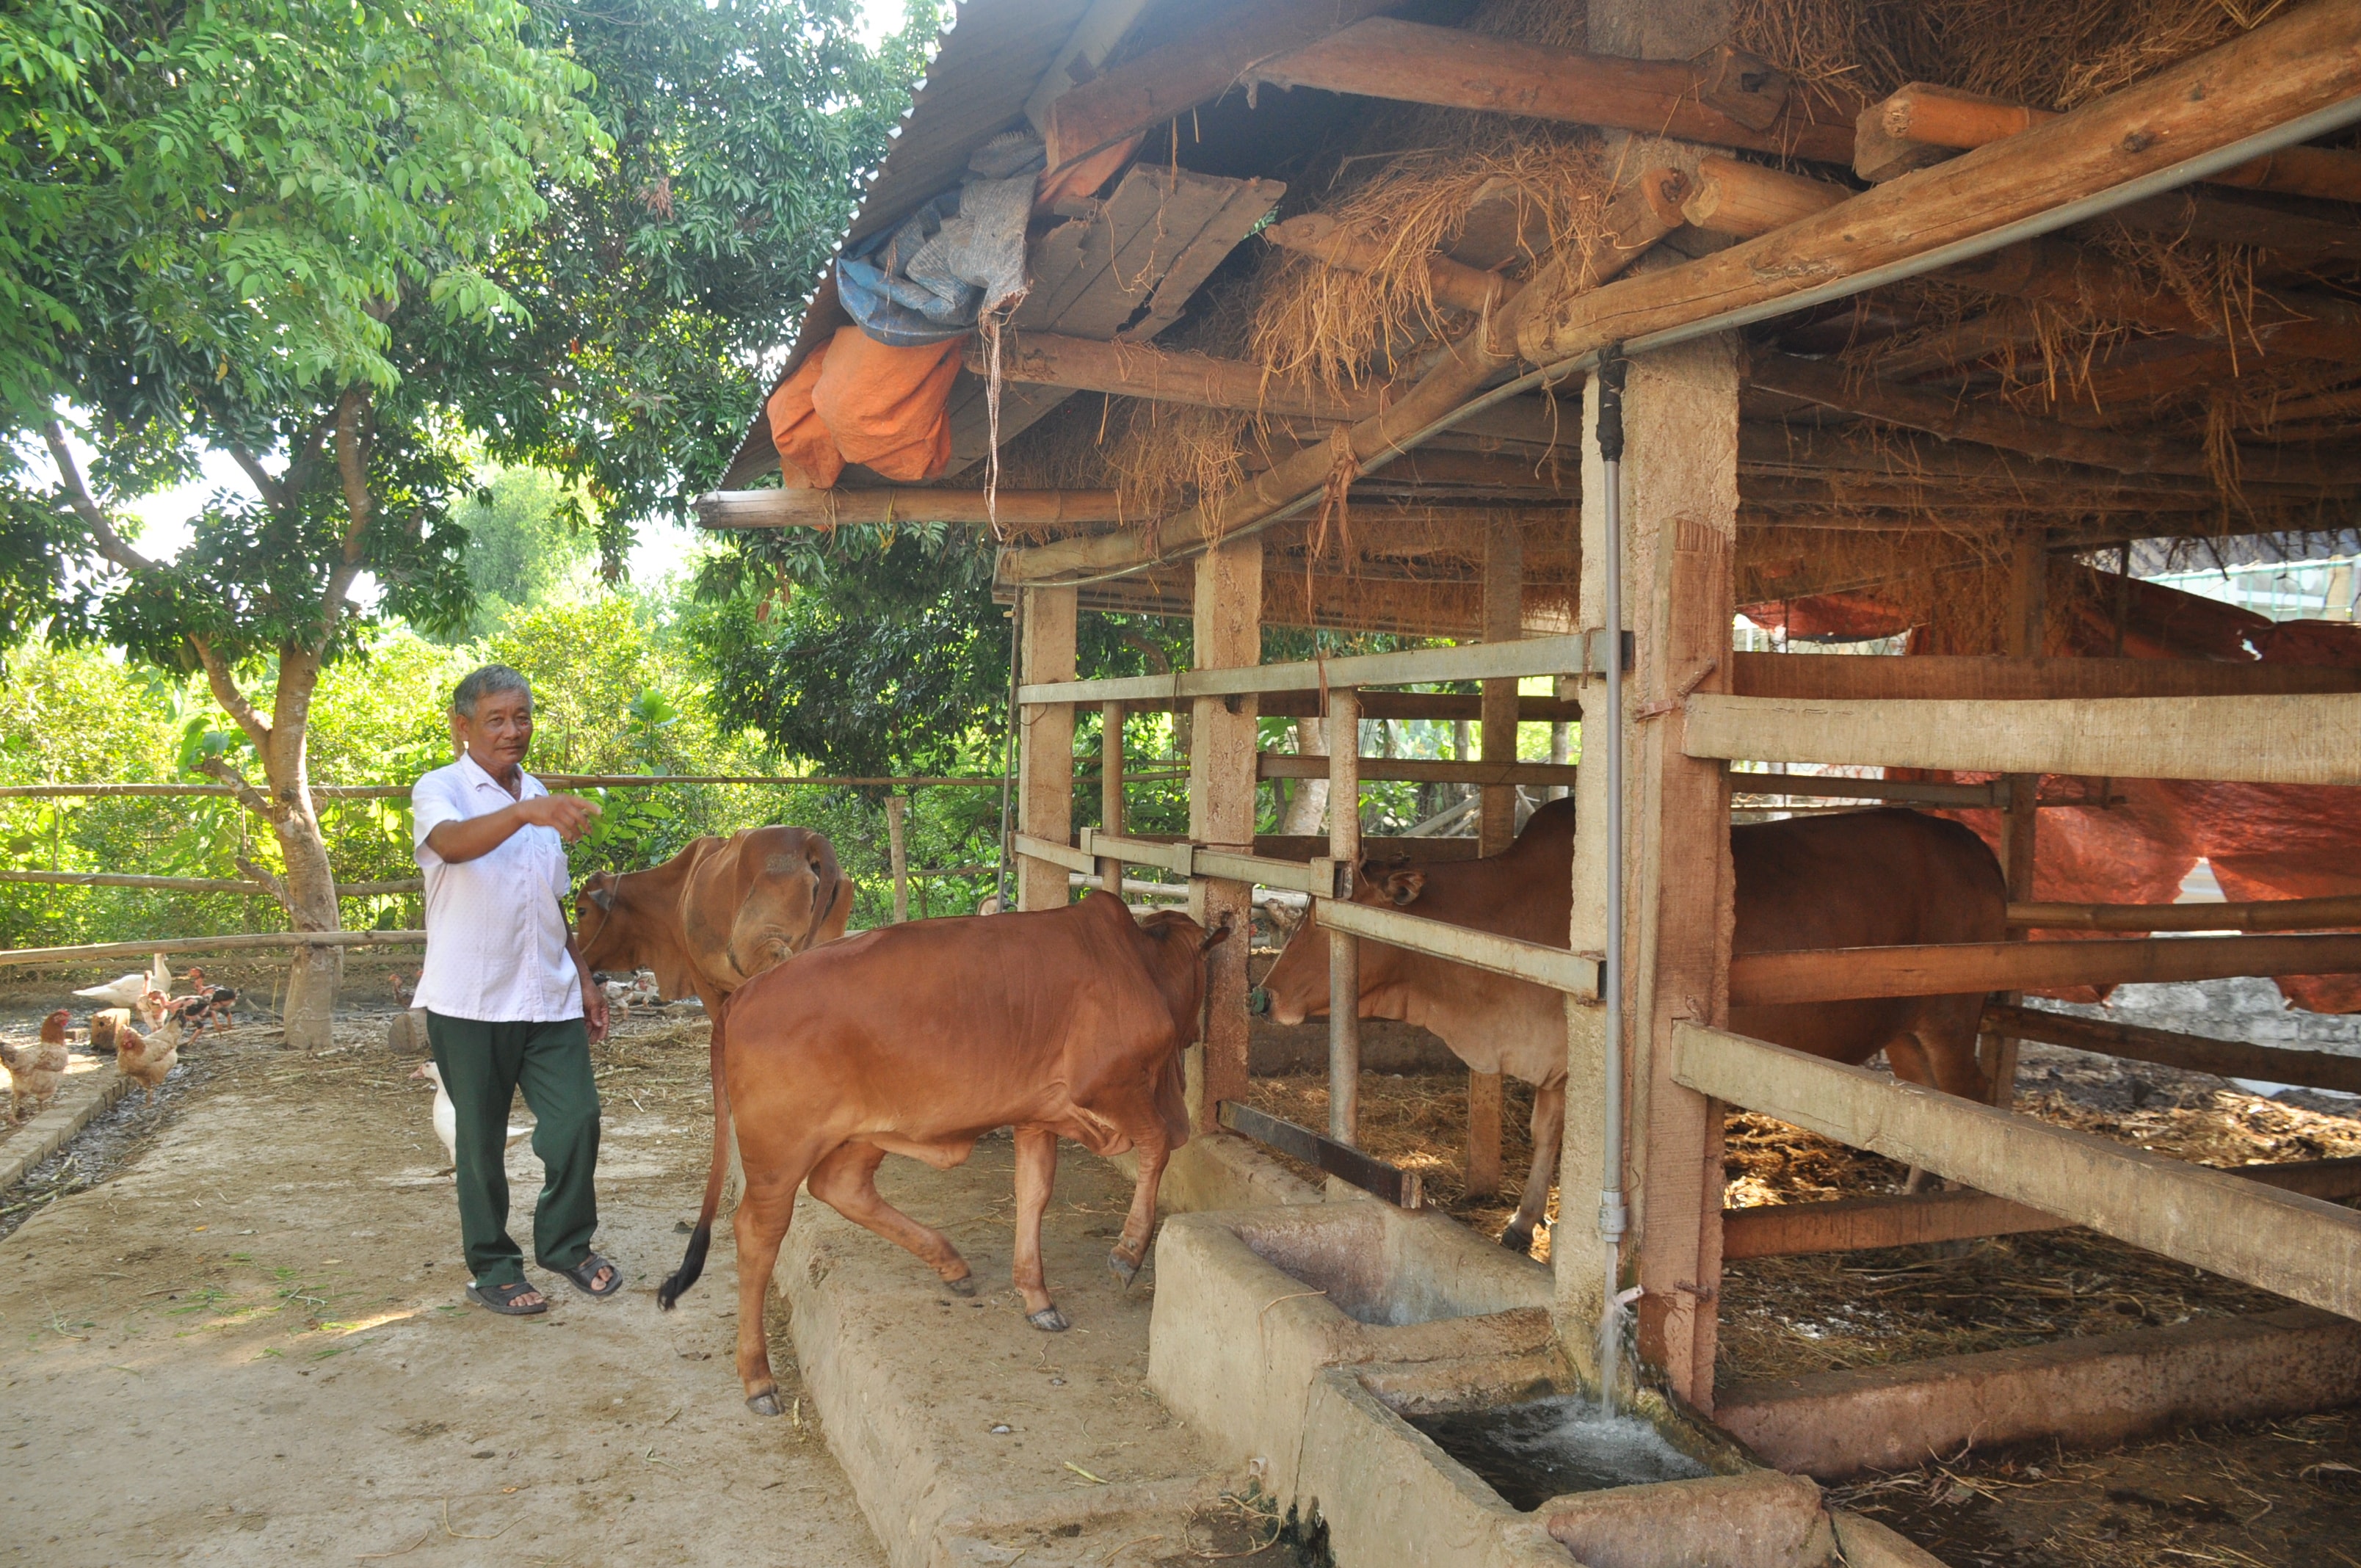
[(495, 925)]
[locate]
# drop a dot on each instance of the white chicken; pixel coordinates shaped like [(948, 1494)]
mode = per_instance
[(446, 1115), (131, 991)]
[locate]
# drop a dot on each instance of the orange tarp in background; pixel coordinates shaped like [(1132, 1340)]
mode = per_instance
[(856, 399), (2264, 841)]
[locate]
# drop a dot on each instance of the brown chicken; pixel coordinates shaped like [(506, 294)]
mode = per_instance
[(147, 1060), (36, 1070)]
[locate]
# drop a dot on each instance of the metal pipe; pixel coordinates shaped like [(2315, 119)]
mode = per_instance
[(1613, 1217)]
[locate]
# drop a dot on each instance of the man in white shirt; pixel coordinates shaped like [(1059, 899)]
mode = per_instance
[(508, 1002)]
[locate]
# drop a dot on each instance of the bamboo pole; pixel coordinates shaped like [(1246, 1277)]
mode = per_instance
[(897, 855), (248, 942), (200, 884), (1833, 974), (2263, 915)]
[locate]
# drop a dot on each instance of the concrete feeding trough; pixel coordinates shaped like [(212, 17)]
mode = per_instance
[(1328, 1347)]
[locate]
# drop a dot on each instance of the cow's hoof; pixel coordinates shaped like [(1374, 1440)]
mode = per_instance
[(766, 1404), (1517, 1241), (1049, 1320), (1123, 1268), (963, 1286)]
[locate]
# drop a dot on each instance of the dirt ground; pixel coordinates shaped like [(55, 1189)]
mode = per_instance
[(247, 1345)]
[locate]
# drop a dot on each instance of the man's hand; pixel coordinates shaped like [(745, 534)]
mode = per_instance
[(594, 1010), (569, 813)]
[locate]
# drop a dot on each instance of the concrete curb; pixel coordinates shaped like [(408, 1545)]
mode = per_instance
[(80, 1098)]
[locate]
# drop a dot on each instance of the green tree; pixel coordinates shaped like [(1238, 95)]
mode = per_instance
[(520, 547), (340, 242)]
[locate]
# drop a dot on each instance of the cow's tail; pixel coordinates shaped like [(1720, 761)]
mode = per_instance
[(700, 1241)]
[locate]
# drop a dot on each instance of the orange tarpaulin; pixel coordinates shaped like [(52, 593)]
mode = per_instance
[(2264, 841), (859, 400)]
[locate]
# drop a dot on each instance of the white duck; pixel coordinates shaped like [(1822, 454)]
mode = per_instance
[(446, 1115), (132, 990)]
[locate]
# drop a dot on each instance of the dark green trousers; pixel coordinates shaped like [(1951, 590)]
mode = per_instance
[(483, 1067)]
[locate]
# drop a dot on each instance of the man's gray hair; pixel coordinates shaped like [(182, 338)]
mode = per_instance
[(489, 681)]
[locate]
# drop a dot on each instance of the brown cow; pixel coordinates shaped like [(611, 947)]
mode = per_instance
[(718, 913), (918, 1039), (1862, 879)]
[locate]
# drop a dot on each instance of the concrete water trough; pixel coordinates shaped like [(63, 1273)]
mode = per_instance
[(1311, 1345)]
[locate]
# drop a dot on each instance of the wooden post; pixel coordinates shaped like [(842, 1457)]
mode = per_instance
[(1111, 806), (1504, 587), (1679, 507), (1344, 951), (898, 855), (2028, 583), (1228, 631), (1046, 762)]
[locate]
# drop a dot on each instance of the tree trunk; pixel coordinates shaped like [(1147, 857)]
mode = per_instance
[(310, 888), (1308, 809)]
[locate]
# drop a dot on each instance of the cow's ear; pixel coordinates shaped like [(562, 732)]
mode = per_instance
[(1402, 888), (604, 897)]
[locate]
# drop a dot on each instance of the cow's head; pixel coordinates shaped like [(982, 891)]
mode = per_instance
[(1297, 982), (602, 930), (1176, 949)]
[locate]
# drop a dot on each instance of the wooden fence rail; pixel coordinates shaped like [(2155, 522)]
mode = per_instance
[(252, 941), (201, 884), (2167, 1047), (1833, 974)]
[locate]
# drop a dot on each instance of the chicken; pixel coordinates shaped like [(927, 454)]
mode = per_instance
[(131, 990), (219, 1000), (36, 1070), (107, 1026), (403, 990), (147, 1060), (446, 1115)]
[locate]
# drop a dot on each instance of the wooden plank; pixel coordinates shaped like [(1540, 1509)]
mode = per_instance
[(253, 941), (1471, 662), (1045, 756), (2263, 915), (1055, 852), (1343, 726), (832, 509), (1861, 1224), (1401, 1188), (2190, 1053), (1305, 704), (1196, 68), (1953, 969), (2297, 63), (1422, 770), (1922, 124), (1576, 973), (1972, 796), (1226, 629), (2300, 1247), (2310, 740), (1922, 677), (1410, 63)]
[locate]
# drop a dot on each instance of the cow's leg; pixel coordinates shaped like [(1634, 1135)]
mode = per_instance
[(1549, 1130), (1131, 1248), (761, 1224), (1036, 1171), (1921, 1057), (846, 1182)]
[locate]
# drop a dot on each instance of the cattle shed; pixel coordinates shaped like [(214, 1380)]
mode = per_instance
[(1563, 334)]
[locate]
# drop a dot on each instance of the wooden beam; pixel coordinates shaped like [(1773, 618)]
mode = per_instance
[(1863, 1225), (1953, 969), (1829, 384), (1579, 652), (1333, 1156), (202, 885), (1575, 973), (1452, 283), (834, 508), (2297, 1247), (1450, 67), (1195, 68), (2263, 915), (2190, 1053), (2252, 740), (1305, 704), (1923, 124), (1746, 199), (1045, 756), (1424, 770), (1936, 676), (1227, 632), (1344, 737), (2298, 63), (1632, 224), (257, 941)]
